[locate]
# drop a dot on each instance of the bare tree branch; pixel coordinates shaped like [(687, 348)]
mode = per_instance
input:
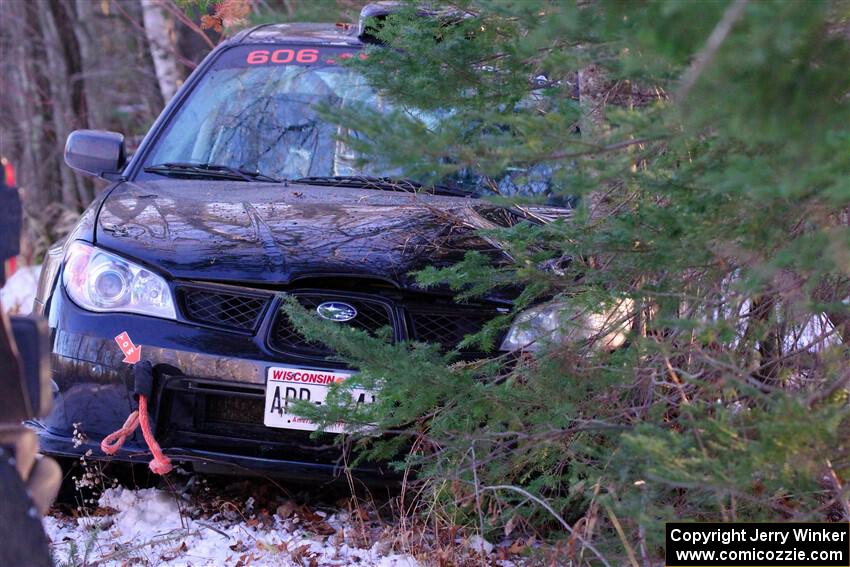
[(732, 14)]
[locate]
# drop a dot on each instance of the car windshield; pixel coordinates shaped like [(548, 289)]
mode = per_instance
[(257, 109)]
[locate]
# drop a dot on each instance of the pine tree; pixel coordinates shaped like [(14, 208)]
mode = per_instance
[(720, 245)]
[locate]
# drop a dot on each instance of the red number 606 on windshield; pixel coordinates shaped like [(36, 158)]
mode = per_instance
[(282, 56)]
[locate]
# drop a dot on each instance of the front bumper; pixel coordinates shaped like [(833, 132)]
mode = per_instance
[(207, 402), (211, 462)]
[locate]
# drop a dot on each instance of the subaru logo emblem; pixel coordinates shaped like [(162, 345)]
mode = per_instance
[(336, 311)]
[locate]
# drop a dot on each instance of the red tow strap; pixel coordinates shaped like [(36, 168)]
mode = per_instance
[(160, 464)]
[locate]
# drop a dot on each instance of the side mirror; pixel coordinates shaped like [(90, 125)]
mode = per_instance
[(96, 152)]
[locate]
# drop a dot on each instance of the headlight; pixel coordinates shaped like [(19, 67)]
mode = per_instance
[(100, 281), (562, 322)]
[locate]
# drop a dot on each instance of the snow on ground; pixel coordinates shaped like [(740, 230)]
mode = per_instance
[(18, 294), (154, 527)]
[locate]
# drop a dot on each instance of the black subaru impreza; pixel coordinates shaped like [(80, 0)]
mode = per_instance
[(241, 193)]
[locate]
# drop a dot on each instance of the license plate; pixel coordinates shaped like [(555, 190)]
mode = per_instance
[(285, 385)]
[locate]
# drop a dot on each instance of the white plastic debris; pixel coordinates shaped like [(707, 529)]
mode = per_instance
[(480, 545)]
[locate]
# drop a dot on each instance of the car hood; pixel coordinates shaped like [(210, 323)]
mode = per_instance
[(275, 234)]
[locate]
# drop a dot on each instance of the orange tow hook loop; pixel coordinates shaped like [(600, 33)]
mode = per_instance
[(160, 464)]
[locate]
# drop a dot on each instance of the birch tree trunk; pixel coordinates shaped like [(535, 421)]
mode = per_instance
[(159, 29)]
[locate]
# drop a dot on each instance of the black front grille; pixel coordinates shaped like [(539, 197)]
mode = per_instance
[(227, 417), (234, 409), (420, 317), (444, 327), (372, 315), (221, 308)]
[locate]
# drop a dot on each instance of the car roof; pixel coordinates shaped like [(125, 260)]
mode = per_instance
[(328, 34)]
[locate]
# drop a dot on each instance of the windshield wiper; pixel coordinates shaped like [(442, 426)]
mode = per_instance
[(380, 183), (209, 170)]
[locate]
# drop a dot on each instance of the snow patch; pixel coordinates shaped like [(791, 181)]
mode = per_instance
[(152, 527), (18, 295), (397, 561), (142, 513)]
